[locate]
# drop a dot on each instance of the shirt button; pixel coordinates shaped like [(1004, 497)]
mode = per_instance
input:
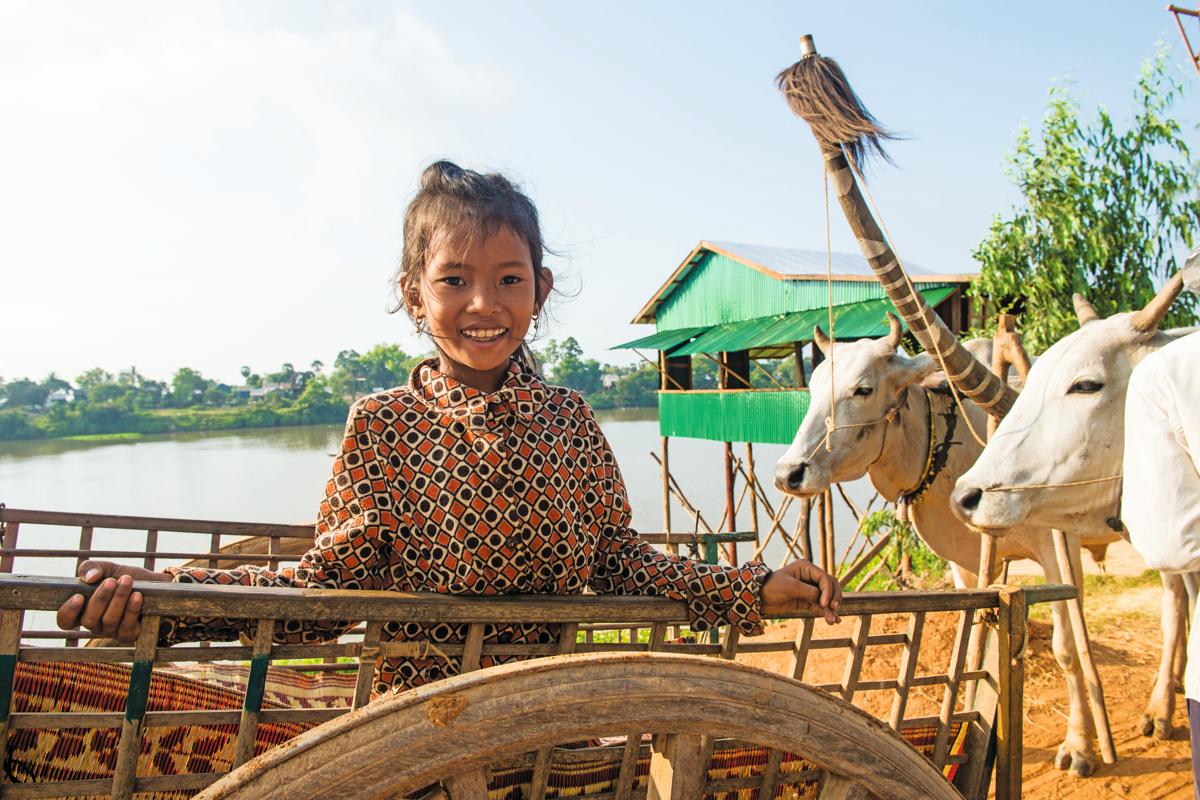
[(498, 480)]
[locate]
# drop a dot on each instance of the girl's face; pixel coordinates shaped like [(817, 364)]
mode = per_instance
[(478, 299)]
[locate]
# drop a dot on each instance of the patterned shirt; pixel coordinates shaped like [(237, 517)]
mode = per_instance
[(442, 488)]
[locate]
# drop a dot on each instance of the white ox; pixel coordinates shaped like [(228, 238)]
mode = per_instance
[(883, 430), (1055, 459)]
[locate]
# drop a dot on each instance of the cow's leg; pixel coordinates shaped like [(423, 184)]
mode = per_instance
[(1156, 719), (963, 578), (1078, 750)]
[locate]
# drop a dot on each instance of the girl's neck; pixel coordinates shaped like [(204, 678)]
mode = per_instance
[(486, 381)]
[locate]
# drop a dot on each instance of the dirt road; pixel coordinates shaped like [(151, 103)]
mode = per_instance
[(1122, 612)]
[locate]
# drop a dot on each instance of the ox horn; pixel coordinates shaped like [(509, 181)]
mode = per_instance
[(1084, 310), (895, 331), (822, 341), (1146, 320)]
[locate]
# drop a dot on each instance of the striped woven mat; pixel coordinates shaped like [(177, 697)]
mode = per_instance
[(37, 756)]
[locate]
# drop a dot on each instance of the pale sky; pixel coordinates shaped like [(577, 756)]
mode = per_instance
[(214, 184)]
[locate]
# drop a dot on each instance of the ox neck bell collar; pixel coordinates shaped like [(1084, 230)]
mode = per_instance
[(937, 454)]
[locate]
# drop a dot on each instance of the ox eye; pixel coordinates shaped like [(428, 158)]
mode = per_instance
[(1085, 387), (863, 391)]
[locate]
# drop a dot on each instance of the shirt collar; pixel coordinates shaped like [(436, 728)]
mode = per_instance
[(520, 393)]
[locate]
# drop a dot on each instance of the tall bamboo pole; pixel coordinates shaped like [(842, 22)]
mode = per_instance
[(817, 91)]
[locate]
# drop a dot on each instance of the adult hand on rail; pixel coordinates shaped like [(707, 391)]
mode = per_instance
[(112, 610), (802, 586)]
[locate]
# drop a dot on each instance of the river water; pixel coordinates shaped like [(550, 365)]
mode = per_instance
[(278, 475)]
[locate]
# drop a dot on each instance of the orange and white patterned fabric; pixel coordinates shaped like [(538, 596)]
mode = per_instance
[(442, 488)]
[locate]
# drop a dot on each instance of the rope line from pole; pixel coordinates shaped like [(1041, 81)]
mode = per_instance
[(831, 420), (1063, 485)]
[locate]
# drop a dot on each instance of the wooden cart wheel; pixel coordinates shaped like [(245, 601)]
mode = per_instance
[(456, 727)]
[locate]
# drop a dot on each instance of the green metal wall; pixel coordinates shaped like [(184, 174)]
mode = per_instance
[(765, 417), (720, 289)]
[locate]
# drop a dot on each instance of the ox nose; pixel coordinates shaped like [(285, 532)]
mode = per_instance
[(795, 476), (966, 500)]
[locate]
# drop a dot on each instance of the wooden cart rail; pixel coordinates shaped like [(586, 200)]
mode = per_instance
[(229, 542), (971, 693)]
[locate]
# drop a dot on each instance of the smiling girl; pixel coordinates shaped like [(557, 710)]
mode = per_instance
[(476, 477)]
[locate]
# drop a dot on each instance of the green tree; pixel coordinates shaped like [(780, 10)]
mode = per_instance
[(24, 393), (1103, 210), (383, 366), (636, 386), (130, 377), (53, 383), (106, 392), (187, 386), (348, 373), (566, 366), (93, 378)]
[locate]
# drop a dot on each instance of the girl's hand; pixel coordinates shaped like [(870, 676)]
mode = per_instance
[(112, 610), (802, 586)]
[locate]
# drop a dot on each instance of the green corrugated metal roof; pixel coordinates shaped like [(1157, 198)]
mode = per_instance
[(766, 417), (851, 321), (722, 282), (663, 340)]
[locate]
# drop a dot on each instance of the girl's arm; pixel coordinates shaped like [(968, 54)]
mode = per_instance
[(355, 528), (356, 525), (715, 595)]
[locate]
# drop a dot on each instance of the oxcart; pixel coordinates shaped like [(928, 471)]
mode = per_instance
[(622, 704)]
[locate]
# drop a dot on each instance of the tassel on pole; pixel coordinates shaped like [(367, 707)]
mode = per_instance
[(817, 91)]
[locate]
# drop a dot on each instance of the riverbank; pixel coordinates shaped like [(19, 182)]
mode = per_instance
[(114, 423)]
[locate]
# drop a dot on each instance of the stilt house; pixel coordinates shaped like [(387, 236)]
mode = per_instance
[(741, 303)]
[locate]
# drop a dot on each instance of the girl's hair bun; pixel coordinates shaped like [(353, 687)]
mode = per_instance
[(442, 175)]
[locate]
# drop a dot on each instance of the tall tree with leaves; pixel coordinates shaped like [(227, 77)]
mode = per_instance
[(1104, 209)]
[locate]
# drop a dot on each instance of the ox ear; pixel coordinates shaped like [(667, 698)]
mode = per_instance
[(822, 340), (915, 369)]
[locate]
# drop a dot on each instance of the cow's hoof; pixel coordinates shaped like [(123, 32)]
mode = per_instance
[(1163, 729), (1158, 727), (1080, 764)]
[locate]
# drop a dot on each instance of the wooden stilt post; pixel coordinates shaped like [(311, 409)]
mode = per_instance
[(804, 520), (831, 532), (752, 482), (666, 492), (824, 509), (730, 507)]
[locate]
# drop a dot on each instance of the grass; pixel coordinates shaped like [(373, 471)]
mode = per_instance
[(1099, 593), (105, 437)]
